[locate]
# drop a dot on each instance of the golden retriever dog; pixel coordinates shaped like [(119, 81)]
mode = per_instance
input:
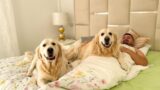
[(105, 43), (49, 62)]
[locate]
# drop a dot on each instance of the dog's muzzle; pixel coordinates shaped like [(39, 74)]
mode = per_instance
[(50, 52), (106, 43)]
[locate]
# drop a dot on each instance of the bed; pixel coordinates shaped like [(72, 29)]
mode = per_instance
[(90, 16), (12, 75)]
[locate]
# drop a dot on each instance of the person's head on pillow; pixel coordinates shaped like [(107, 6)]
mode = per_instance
[(132, 38), (128, 39)]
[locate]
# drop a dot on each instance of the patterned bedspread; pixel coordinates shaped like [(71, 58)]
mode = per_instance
[(94, 73), (13, 75)]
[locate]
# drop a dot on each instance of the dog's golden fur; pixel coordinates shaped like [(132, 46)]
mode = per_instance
[(48, 70), (81, 50)]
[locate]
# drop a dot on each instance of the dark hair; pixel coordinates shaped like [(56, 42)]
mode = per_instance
[(129, 34)]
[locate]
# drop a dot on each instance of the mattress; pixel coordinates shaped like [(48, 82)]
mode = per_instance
[(12, 75)]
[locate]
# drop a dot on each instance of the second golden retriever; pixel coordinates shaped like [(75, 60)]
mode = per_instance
[(49, 62), (103, 44)]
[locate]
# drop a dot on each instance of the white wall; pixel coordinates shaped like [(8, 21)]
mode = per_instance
[(33, 22)]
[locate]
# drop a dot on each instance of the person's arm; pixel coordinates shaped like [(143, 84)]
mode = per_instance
[(138, 57)]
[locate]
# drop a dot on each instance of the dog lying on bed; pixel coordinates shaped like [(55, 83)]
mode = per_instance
[(49, 62), (105, 43)]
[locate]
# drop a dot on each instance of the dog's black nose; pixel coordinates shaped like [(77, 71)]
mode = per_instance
[(106, 39), (50, 50)]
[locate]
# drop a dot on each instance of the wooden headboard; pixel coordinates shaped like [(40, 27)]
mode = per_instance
[(119, 15)]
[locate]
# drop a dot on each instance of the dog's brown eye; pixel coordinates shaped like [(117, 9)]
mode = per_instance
[(110, 33), (53, 43), (44, 45), (102, 34)]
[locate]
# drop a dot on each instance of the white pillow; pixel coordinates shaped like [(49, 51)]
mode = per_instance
[(145, 49)]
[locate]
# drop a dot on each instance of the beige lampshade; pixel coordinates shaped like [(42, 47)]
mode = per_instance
[(60, 18)]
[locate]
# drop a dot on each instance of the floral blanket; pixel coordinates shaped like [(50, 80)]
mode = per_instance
[(13, 75), (94, 73)]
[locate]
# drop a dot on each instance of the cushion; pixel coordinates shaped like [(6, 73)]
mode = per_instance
[(141, 41), (87, 38)]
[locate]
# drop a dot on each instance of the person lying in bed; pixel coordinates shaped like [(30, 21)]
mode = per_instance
[(138, 57)]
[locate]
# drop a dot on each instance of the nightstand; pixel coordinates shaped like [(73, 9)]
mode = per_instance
[(67, 41)]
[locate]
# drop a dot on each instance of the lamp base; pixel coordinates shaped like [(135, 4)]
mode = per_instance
[(61, 35)]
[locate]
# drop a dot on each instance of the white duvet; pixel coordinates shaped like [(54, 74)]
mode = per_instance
[(96, 73)]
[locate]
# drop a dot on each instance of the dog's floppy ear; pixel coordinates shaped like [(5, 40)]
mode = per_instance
[(37, 53), (96, 39), (59, 56), (96, 45), (115, 47), (60, 50)]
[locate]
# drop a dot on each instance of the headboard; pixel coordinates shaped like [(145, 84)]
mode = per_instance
[(119, 15)]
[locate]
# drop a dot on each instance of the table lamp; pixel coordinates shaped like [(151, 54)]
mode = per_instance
[(60, 19)]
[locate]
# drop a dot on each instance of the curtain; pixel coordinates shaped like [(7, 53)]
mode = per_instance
[(8, 37)]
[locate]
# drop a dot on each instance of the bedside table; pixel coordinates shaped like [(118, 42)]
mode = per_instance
[(67, 41)]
